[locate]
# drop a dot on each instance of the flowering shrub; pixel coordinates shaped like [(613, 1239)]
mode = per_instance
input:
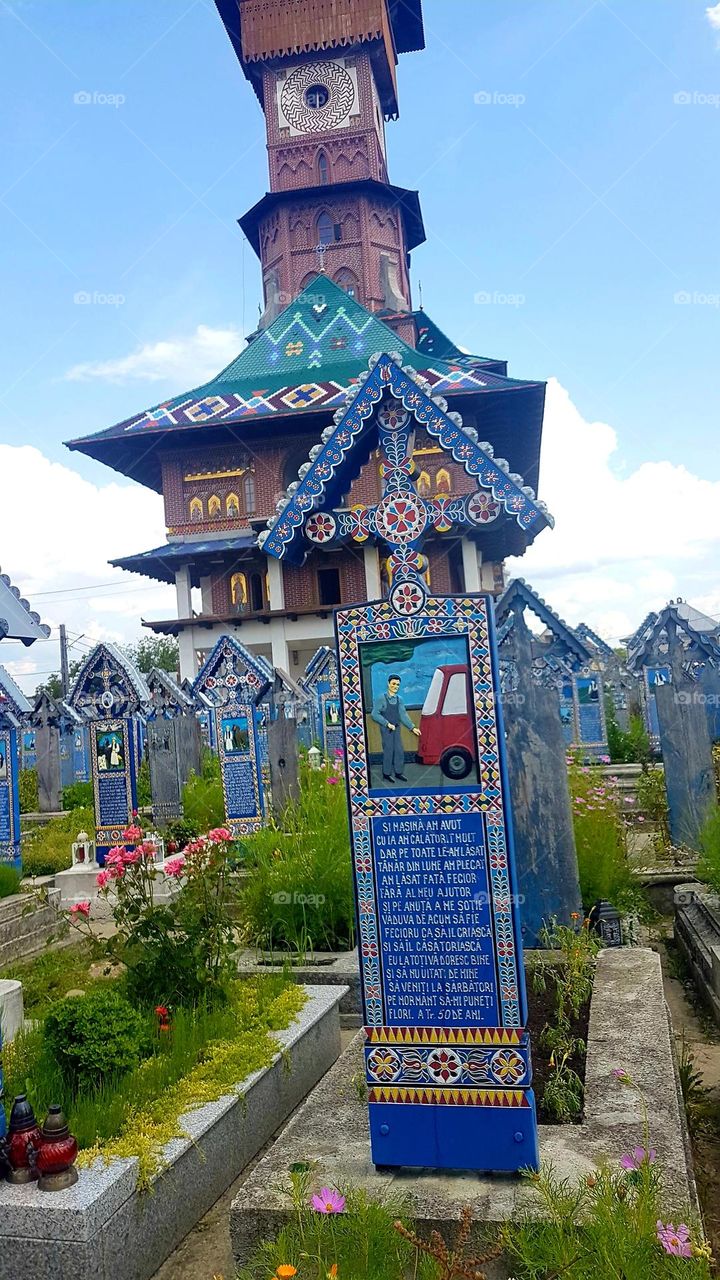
[(174, 952)]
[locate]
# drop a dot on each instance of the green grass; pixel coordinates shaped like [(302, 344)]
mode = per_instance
[(49, 976), (362, 1243), (47, 849), (9, 881), (206, 1053)]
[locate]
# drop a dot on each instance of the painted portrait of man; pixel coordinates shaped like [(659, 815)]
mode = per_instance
[(390, 713)]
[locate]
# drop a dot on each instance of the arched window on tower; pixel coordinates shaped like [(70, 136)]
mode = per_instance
[(323, 169), (442, 481), (196, 510), (325, 229), (249, 493), (214, 507), (348, 281), (424, 487)]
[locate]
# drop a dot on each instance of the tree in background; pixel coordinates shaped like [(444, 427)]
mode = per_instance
[(154, 651)]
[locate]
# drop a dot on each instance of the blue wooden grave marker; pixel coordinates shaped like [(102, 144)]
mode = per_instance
[(112, 697), (234, 681), (447, 1054), (321, 679), (14, 710)]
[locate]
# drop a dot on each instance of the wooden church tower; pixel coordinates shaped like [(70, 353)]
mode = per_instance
[(325, 74)]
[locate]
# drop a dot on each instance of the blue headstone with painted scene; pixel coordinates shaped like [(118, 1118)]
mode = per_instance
[(321, 680), (112, 698), (447, 1055), (561, 660), (698, 637), (234, 682)]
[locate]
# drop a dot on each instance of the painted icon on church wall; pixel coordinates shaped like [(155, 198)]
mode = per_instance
[(110, 752), (3, 762), (235, 733), (419, 714)]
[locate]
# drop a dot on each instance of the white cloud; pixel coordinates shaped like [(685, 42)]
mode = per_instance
[(713, 16), (186, 361), (65, 531), (624, 543)]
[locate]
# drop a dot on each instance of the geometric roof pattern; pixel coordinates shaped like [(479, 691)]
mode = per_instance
[(346, 448), (108, 684), (701, 632), (13, 702), (17, 621), (306, 360), (520, 595)]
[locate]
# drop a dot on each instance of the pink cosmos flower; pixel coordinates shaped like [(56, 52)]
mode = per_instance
[(220, 835), (174, 866), (332, 782), (328, 1201), (338, 753), (676, 1242), (80, 909), (621, 1074), (637, 1158), (103, 879)]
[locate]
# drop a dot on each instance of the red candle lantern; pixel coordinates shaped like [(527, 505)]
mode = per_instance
[(23, 1142), (55, 1160)]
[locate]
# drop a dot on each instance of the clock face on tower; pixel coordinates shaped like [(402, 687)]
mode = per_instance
[(317, 97)]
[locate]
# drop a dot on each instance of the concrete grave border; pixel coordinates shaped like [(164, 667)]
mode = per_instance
[(630, 1029), (105, 1229)]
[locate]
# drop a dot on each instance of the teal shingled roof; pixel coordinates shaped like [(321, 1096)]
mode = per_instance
[(305, 360)]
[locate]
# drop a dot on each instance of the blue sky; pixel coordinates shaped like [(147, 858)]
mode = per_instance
[(582, 184)]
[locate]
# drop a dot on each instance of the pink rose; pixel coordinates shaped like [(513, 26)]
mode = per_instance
[(103, 879), (132, 857), (133, 834), (80, 909), (174, 866), (220, 835)]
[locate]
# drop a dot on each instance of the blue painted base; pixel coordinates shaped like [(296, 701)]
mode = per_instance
[(482, 1139)]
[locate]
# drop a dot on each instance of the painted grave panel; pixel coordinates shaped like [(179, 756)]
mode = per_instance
[(238, 741), (9, 797), (114, 781), (447, 1054)]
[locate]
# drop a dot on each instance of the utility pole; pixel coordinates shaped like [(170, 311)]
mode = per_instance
[(64, 668)]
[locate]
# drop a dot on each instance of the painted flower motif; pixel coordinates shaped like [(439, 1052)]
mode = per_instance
[(328, 1201), (174, 866), (675, 1242), (635, 1159), (80, 909)]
